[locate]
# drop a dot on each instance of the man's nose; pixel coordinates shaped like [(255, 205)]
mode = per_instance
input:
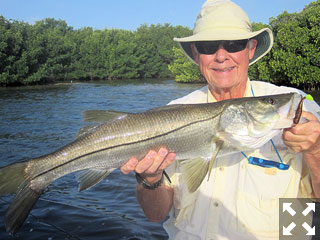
[(221, 54)]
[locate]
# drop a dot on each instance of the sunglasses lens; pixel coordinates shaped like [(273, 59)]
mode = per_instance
[(235, 46), (210, 47)]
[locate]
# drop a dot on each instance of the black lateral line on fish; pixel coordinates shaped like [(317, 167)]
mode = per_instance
[(121, 145)]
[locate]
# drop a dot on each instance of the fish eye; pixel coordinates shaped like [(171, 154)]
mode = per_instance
[(269, 100), (272, 101)]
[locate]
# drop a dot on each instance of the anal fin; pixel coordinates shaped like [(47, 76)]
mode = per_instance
[(90, 177)]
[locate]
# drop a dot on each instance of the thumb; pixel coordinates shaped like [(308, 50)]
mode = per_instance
[(309, 116)]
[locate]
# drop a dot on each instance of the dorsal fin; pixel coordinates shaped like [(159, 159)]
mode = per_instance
[(85, 130), (102, 116), (98, 117), (167, 107)]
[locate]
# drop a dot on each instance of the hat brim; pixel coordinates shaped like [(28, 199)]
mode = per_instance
[(264, 38)]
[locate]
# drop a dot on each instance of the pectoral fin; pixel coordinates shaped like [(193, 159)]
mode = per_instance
[(196, 169), (90, 177)]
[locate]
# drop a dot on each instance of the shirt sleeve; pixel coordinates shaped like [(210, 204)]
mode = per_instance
[(305, 188)]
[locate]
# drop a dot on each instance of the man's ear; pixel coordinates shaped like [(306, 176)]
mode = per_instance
[(195, 53), (252, 47)]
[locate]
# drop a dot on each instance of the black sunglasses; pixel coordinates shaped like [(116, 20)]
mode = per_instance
[(231, 46)]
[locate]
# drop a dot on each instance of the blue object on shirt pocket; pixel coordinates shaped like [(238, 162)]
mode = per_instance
[(267, 163)]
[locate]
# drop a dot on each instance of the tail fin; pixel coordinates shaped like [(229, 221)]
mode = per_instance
[(13, 180), (11, 177), (20, 208)]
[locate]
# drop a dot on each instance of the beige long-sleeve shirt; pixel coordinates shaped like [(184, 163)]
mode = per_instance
[(240, 200)]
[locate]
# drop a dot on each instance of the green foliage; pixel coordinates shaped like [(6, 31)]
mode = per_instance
[(50, 50), (295, 57), (260, 70), (183, 69), (154, 48)]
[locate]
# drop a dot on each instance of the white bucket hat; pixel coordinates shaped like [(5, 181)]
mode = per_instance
[(224, 20)]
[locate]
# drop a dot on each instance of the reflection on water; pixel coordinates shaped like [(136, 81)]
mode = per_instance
[(37, 120)]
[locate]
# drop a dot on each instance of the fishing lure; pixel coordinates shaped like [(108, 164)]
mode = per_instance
[(299, 109)]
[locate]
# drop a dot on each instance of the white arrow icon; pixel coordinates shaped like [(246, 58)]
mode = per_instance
[(311, 231), (311, 207), (287, 230), (286, 207)]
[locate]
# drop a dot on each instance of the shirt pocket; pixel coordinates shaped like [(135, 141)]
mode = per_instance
[(266, 183), (257, 199)]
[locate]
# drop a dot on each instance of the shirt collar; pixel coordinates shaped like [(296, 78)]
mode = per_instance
[(247, 93)]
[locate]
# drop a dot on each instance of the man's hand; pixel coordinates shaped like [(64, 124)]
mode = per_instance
[(151, 166), (304, 137)]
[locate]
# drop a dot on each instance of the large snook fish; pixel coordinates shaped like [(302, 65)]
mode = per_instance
[(194, 132)]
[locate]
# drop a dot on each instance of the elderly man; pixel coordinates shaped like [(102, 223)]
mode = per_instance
[(240, 200)]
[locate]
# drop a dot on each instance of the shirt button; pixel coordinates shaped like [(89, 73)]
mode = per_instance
[(216, 204), (221, 168)]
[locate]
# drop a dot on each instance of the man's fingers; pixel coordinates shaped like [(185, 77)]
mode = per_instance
[(152, 164), (157, 161), (290, 134), (303, 136), (129, 166), (146, 162), (168, 161), (309, 116)]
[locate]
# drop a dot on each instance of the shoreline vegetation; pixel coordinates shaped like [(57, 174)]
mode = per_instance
[(49, 51)]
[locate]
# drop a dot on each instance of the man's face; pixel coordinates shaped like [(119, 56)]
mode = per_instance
[(225, 71)]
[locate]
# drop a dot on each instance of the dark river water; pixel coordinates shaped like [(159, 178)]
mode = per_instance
[(37, 120)]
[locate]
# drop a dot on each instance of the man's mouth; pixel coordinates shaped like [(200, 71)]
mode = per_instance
[(223, 69)]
